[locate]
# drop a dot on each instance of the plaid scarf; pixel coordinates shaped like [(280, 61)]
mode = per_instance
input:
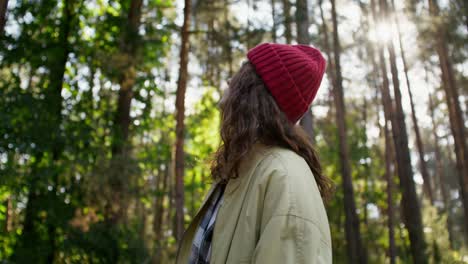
[(201, 246)]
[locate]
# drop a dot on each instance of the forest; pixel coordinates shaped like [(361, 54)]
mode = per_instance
[(109, 118)]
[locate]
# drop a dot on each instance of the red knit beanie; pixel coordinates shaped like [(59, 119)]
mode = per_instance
[(292, 73)]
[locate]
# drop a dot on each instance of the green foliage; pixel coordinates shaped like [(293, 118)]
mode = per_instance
[(437, 236), (67, 197), (203, 135), (54, 165)]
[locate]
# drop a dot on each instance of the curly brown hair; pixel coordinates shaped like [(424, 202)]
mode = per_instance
[(249, 113)]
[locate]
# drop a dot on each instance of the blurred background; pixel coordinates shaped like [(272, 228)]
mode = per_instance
[(108, 119)]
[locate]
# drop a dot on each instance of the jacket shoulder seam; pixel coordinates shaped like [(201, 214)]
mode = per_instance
[(305, 219), (268, 154), (297, 216), (281, 158)]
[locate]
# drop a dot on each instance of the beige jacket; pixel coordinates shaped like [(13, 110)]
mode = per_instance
[(271, 214)]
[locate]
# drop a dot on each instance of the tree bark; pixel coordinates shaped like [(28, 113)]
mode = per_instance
[(388, 153), (227, 45), (273, 16), (8, 215), (30, 237), (354, 246), (128, 48), (53, 93), (180, 129), (170, 217), (302, 24), (441, 176), (159, 213), (457, 123), (366, 166), (327, 49), (411, 207), (3, 15), (389, 188), (422, 161), (287, 20)]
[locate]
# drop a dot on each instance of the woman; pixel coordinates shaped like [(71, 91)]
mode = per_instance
[(265, 205)]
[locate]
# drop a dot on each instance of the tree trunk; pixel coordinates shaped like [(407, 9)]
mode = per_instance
[(128, 49), (273, 17), (287, 21), (54, 97), (441, 176), (248, 32), (457, 124), (159, 213), (366, 166), (302, 24), (422, 161), (30, 236), (354, 246), (193, 195), (388, 153), (227, 45), (180, 130), (3, 15), (170, 197), (327, 49), (389, 187), (411, 208), (8, 215)]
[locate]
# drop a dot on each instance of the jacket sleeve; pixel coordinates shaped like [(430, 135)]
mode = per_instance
[(288, 239)]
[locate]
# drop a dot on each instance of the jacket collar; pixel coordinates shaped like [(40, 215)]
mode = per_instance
[(257, 151)]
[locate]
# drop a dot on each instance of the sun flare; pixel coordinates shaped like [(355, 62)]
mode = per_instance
[(381, 33)]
